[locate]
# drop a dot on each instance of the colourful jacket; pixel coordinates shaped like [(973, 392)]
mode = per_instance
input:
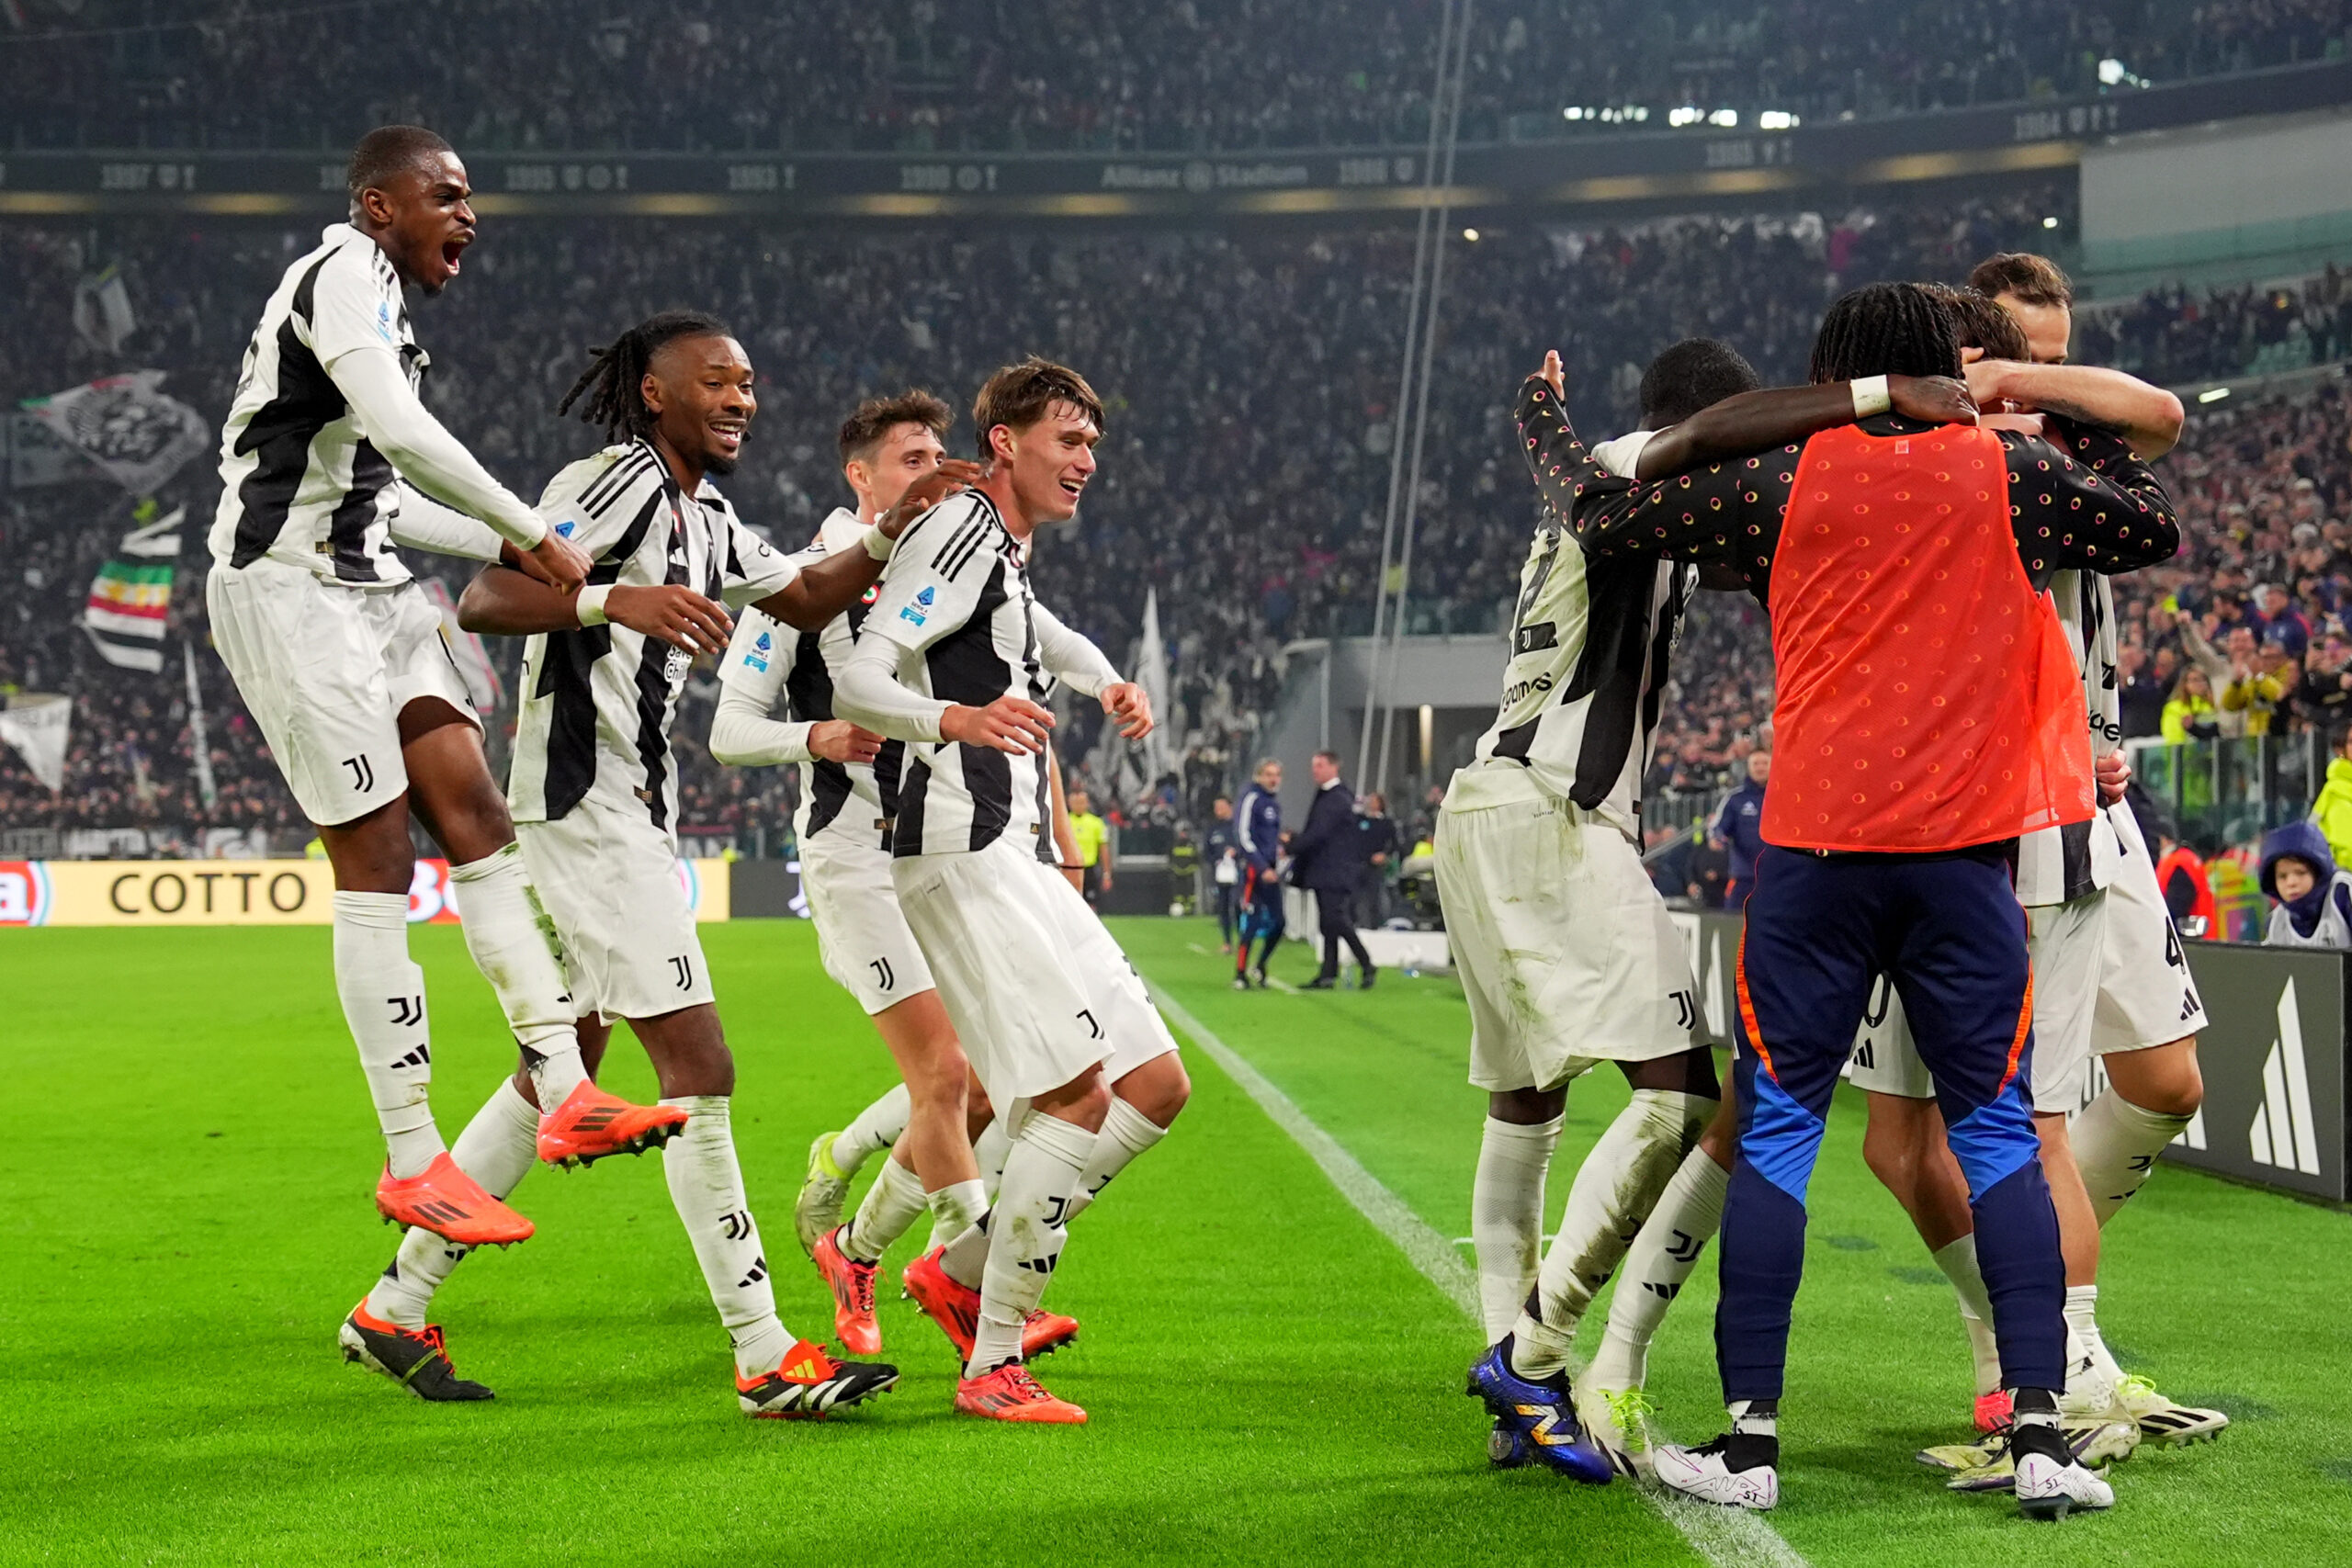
[(2333, 810)]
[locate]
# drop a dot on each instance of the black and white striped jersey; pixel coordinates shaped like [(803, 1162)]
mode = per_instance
[(299, 481), (955, 600), (768, 660), (1587, 669), (2060, 864), (597, 703)]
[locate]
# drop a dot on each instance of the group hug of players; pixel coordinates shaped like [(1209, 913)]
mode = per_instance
[(1930, 524), (1953, 906), (914, 665)]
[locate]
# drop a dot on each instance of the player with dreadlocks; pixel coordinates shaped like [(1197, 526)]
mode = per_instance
[(594, 795), (1929, 713)]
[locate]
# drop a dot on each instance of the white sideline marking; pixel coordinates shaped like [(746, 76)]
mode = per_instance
[(1727, 1537)]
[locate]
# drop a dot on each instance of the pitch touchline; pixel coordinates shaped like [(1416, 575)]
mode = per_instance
[(1727, 1537)]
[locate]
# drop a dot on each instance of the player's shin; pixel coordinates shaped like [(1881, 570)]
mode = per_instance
[(877, 1127), (707, 1186), (1026, 1232), (2116, 1143), (497, 1148), (892, 1204), (1616, 1189), (382, 993), (1958, 1261), (1669, 1248), (1507, 1215), (513, 943), (1127, 1134)]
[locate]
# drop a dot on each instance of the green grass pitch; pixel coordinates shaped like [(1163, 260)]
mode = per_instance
[(183, 1220)]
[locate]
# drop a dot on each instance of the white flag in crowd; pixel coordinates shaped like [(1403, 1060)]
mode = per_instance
[(125, 425), (36, 723), (102, 312)]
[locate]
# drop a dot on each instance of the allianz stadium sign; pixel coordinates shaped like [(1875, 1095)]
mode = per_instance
[(1601, 171)]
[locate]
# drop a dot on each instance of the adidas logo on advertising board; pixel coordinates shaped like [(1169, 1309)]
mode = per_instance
[(2282, 1133)]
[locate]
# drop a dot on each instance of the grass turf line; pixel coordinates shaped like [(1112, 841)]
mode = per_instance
[(1270, 1381), (2225, 1294)]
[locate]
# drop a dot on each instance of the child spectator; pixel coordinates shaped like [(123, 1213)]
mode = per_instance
[(2314, 900)]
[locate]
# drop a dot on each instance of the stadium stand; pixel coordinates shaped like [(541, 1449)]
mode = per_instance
[(1245, 474), (961, 74)]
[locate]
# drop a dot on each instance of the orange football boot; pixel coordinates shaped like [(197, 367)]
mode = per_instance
[(955, 1307), (452, 1205), (591, 1124), (1993, 1410), (808, 1382), (853, 1287), (1009, 1394)]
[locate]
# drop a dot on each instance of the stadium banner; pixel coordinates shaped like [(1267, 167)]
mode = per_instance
[(246, 892), (1602, 170), (2273, 1055)]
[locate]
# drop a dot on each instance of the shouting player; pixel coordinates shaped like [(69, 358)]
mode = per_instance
[(326, 462), (956, 658), (849, 793)]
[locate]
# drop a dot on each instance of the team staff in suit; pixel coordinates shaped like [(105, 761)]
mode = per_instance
[(1326, 861)]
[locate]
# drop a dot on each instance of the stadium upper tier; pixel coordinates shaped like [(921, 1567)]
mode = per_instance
[(974, 75)]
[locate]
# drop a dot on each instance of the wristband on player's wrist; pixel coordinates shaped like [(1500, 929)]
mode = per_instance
[(590, 604), (1870, 396), (877, 544)]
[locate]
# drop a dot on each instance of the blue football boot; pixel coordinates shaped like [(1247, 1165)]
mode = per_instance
[(1535, 1420)]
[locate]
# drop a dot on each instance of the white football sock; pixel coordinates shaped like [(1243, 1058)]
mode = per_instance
[(1126, 1134), (1958, 1261), (1026, 1234), (383, 1002), (514, 945), (1671, 1242), (2082, 1322), (2116, 1143), (1618, 1185), (1507, 1215), (707, 1186), (989, 1150), (955, 1208), (877, 1127), (497, 1148), (892, 1204)]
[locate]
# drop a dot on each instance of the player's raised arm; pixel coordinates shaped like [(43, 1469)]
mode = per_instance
[(826, 587), (1749, 423), (1695, 516), (2148, 418)]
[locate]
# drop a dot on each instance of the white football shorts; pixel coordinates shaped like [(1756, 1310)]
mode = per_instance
[(2147, 996), (1566, 951), (862, 934), (1034, 982), (326, 672), (610, 881)]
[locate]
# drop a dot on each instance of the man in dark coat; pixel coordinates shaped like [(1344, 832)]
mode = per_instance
[(1326, 861)]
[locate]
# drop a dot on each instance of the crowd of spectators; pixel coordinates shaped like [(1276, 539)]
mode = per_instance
[(1069, 74), (1249, 380)]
